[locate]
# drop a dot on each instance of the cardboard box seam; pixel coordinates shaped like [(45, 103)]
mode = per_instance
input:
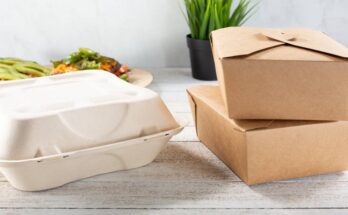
[(246, 159), (192, 101)]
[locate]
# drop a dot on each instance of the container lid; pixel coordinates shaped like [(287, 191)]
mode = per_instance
[(48, 95), (290, 43)]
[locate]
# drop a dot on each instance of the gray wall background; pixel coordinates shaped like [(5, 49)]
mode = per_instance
[(144, 33)]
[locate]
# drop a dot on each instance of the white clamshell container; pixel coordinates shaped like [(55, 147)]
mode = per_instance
[(58, 129), (56, 170)]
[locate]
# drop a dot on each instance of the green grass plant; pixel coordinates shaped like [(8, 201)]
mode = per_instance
[(205, 16)]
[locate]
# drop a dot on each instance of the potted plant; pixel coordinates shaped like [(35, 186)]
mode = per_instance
[(205, 16)]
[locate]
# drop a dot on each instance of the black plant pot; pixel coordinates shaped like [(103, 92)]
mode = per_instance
[(202, 62)]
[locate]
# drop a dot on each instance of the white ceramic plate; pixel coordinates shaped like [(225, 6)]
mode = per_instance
[(140, 77)]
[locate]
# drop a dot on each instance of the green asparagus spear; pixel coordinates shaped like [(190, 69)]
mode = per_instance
[(10, 61), (35, 66), (5, 66), (124, 77), (28, 71), (5, 75)]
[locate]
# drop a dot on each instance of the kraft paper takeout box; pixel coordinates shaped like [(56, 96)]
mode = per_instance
[(263, 151), (298, 74)]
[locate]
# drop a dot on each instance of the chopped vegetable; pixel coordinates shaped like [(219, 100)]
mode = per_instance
[(87, 59)]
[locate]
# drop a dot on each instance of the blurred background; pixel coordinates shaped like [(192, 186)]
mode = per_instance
[(142, 33)]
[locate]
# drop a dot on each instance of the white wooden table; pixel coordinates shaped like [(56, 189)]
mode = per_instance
[(186, 178)]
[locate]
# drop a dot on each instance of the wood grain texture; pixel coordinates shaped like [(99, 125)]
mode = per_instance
[(185, 175), (186, 178), (107, 211)]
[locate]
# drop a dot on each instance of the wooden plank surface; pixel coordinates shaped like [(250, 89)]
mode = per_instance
[(107, 211), (186, 178), (185, 175)]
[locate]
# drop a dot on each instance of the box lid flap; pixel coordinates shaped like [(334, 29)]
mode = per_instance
[(236, 41), (308, 39), (210, 95)]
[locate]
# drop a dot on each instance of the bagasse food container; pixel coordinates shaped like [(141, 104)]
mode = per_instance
[(260, 151), (58, 129), (290, 74)]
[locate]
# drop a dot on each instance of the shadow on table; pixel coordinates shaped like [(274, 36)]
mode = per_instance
[(302, 192), (207, 176), (194, 163)]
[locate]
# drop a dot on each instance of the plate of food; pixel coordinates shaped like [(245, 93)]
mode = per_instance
[(83, 59)]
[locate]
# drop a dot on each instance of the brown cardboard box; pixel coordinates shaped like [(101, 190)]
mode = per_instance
[(281, 74), (263, 151)]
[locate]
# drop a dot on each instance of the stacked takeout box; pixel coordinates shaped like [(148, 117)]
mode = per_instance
[(281, 108)]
